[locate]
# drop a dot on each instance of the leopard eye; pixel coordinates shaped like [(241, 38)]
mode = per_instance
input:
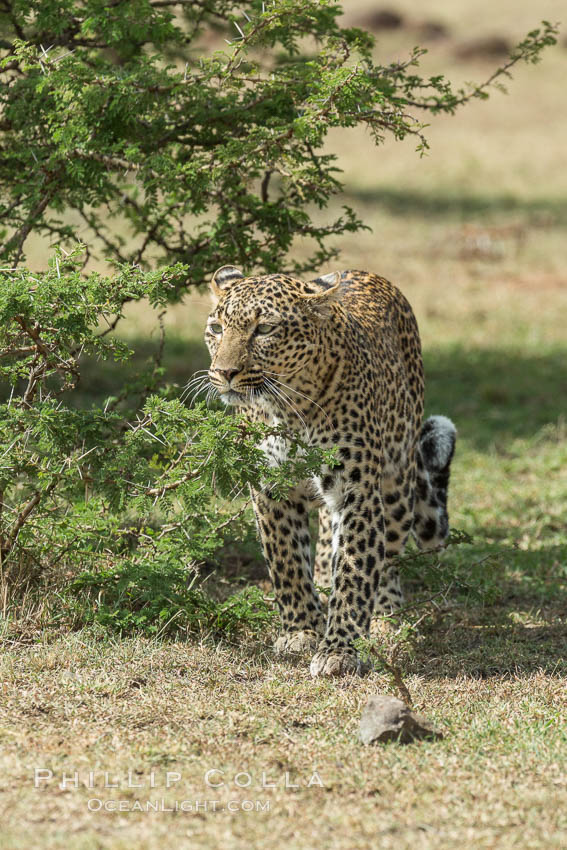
[(264, 329), (215, 327)]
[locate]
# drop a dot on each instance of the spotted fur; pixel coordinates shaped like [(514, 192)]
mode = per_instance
[(337, 359)]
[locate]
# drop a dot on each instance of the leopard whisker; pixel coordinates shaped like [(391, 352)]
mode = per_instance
[(196, 376), (211, 395), (287, 401), (303, 395), (196, 379), (195, 390), (188, 388)]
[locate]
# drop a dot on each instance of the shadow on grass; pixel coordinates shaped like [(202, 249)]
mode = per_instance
[(496, 395), (493, 395), (101, 379), (459, 205), (492, 644), (520, 626), (482, 649)]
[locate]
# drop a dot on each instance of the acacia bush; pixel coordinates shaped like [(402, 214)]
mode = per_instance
[(116, 494), (122, 131)]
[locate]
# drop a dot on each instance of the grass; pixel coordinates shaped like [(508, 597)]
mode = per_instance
[(497, 780), (475, 236)]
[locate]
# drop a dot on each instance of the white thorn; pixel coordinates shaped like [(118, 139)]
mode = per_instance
[(63, 56)]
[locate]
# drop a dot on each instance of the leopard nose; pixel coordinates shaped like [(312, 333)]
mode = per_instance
[(228, 374)]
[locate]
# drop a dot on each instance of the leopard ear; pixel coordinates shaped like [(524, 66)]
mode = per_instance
[(327, 281), (223, 279), (329, 293)]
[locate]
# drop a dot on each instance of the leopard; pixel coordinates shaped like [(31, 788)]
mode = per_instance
[(336, 361)]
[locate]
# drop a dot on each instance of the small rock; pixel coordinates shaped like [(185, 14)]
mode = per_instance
[(433, 31), (489, 47), (381, 19), (386, 718)]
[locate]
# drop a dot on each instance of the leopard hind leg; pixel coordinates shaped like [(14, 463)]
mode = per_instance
[(398, 498)]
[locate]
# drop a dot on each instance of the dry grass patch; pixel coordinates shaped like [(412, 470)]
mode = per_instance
[(81, 704)]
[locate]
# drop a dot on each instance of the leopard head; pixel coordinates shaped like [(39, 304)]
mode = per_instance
[(265, 332)]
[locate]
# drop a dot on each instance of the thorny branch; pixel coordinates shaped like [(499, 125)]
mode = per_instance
[(181, 126)]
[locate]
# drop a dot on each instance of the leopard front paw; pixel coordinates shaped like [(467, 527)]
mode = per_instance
[(291, 643), (335, 662)]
